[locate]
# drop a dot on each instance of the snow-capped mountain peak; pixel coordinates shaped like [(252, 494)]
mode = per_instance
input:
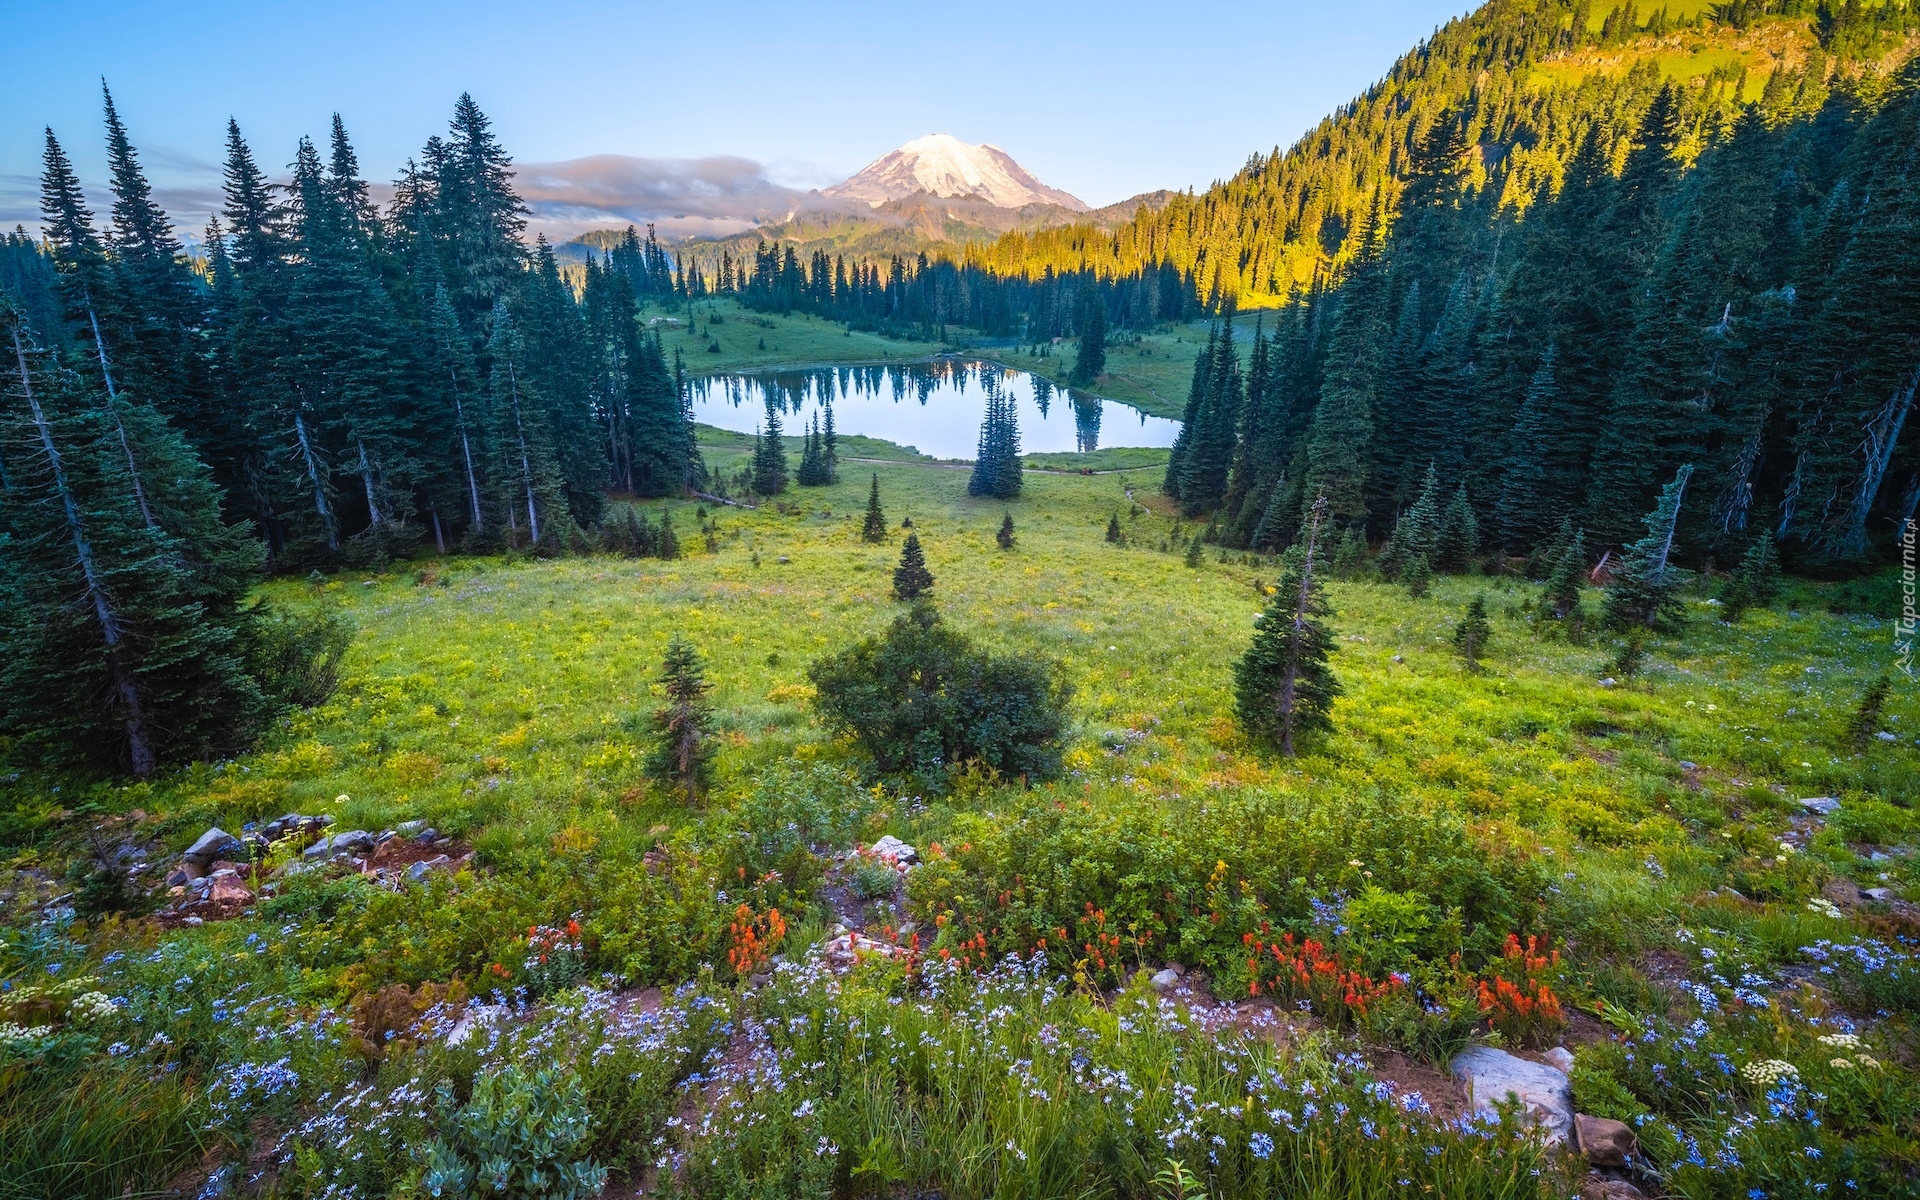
[(943, 165)]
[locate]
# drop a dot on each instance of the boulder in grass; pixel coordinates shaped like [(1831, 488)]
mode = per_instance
[(1606, 1143), (216, 843), (1825, 806), (892, 848), (1493, 1077)]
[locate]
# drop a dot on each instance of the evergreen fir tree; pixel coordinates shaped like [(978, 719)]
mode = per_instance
[(1643, 590), (911, 579), (1196, 550), (1114, 535), (1091, 362), (813, 459), (1416, 534), (997, 468), (1520, 509), (1458, 538), (1417, 576), (1350, 556), (1283, 686), (770, 455), (123, 645), (874, 528), (684, 743), (669, 543), (1754, 582), (1867, 715), (1004, 538), (1470, 635), (1568, 573)]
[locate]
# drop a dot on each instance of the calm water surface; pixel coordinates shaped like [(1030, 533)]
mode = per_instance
[(933, 407)]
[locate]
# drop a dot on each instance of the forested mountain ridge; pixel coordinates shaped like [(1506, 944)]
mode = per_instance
[(1531, 77)]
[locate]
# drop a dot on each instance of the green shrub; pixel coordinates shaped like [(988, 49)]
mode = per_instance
[(296, 656), (922, 699), (519, 1135)]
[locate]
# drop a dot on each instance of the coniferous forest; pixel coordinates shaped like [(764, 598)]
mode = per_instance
[(490, 718)]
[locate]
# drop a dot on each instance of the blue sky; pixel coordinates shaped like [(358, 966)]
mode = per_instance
[(1105, 100)]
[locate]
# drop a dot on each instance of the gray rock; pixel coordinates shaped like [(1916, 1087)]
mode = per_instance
[(385, 836), (1884, 736), (421, 870), (1842, 892), (1164, 979), (353, 841), (1608, 682), (1688, 766), (1560, 1057), (318, 850), (1399, 658), (216, 843), (897, 850), (427, 836), (1826, 806), (1882, 894), (409, 828), (1491, 1076), (1605, 1143)]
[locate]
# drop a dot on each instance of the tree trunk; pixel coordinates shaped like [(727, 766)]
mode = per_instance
[(140, 756), (113, 409), (466, 451), (313, 474)]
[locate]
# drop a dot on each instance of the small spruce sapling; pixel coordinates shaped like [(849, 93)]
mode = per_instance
[(1626, 664), (1417, 575), (683, 727), (875, 527), (1196, 549), (1470, 635), (1865, 721), (1644, 589), (1754, 582), (911, 579), (1114, 534), (1563, 583), (1004, 538), (1283, 687), (1350, 556)]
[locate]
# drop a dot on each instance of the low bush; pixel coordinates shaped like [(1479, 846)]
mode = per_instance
[(922, 699)]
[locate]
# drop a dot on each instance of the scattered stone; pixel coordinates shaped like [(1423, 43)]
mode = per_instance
[(184, 874), (1608, 682), (759, 979), (891, 847), (1884, 736), (214, 843), (1398, 658), (1842, 892), (1164, 979), (409, 828), (1826, 806), (1883, 894), (1560, 1057), (1544, 1093), (293, 824), (843, 951), (318, 850), (427, 836), (385, 836), (1605, 1143), (421, 870), (1688, 766), (353, 841)]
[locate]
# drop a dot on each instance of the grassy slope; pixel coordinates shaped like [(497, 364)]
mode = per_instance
[(542, 666)]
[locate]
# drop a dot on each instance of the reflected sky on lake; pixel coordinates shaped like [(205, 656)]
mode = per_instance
[(934, 407)]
